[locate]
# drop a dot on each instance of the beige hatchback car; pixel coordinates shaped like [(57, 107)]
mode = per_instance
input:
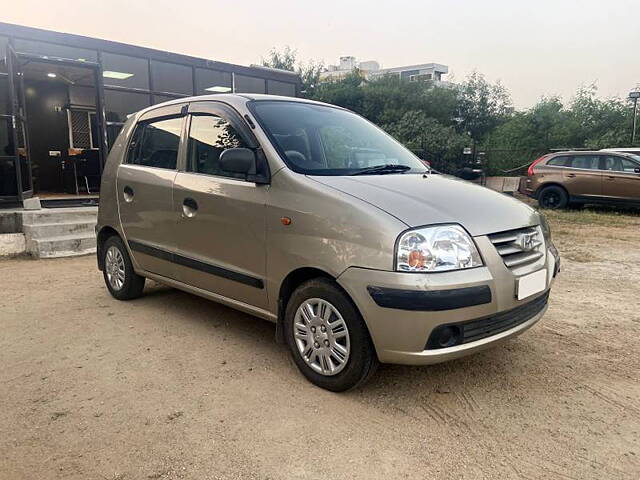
[(309, 216)]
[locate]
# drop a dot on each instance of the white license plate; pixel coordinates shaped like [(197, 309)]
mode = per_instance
[(531, 284)]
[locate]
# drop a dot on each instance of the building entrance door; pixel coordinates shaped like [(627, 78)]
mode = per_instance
[(18, 143), (55, 126)]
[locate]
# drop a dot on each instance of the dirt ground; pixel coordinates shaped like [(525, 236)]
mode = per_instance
[(172, 386)]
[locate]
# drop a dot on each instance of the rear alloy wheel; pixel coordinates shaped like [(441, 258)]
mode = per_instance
[(327, 337), (122, 281), (553, 197)]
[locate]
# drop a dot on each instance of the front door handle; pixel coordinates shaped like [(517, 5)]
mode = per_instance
[(571, 175), (127, 193), (610, 177), (189, 207)]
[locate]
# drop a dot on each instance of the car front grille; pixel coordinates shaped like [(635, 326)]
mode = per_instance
[(519, 247), (474, 330)]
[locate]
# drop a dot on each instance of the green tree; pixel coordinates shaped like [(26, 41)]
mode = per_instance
[(287, 59), (441, 145), (438, 121), (482, 106), (284, 59)]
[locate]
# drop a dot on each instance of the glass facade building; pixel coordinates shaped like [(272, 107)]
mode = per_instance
[(64, 98)]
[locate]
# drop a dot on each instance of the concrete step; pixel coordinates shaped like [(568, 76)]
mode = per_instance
[(58, 215), (12, 244), (62, 245), (46, 230)]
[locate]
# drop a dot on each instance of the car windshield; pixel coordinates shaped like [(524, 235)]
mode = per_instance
[(323, 140)]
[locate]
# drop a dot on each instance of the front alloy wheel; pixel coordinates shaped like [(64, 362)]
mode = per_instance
[(327, 337), (321, 336)]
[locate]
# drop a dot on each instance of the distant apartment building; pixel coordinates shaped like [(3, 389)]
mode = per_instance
[(371, 69)]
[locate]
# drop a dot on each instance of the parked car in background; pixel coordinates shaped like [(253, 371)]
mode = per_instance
[(558, 180), (309, 216), (632, 150)]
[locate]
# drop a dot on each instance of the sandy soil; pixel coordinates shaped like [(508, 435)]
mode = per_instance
[(174, 386)]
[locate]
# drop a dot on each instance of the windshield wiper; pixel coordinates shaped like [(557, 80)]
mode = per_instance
[(382, 169)]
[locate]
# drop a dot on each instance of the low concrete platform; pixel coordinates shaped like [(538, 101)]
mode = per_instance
[(12, 244), (51, 232)]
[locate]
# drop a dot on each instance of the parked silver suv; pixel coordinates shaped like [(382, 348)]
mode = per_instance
[(309, 216)]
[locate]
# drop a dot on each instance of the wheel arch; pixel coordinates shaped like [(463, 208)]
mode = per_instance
[(103, 235), (293, 280), (552, 184)]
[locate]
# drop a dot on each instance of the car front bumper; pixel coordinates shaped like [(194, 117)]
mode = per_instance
[(402, 310)]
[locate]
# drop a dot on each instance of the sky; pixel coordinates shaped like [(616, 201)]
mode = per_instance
[(535, 49)]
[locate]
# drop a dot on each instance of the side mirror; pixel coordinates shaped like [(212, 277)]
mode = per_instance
[(238, 160), (636, 170)]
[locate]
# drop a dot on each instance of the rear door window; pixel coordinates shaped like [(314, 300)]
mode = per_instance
[(585, 162), (155, 144)]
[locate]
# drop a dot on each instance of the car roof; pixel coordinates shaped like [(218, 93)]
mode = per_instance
[(576, 152), (233, 99), (592, 152), (623, 149)]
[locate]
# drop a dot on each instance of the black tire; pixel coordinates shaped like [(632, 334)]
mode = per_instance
[(553, 197), (132, 284), (361, 362)]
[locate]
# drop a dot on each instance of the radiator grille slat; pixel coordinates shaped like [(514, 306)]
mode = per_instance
[(520, 247)]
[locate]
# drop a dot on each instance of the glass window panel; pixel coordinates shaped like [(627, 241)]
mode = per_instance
[(7, 165), (123, 71), (588, 162), (209, 136), (619, 164), (113, 131), (628, 166), (162, 98), (170, 77), (4, 96), (6, 139), (155, 144), (54, 50), (212, 81), (281, 88), (3, 50), (85, 96), (558, 161), (246, 84), (7, 175), (120, 104)]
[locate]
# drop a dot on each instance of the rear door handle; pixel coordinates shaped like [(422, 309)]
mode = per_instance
[(128, 194), (571, 175), (610, 177), (189, 207)]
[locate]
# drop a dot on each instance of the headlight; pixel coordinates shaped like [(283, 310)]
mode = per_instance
[(436, 249)]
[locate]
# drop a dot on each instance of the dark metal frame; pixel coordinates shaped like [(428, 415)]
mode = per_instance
[(104, 46), (17, 117)]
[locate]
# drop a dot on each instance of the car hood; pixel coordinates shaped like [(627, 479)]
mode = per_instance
[(422, 200)]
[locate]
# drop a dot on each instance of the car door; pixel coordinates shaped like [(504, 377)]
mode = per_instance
[(583, 177), (145, 189), (621, 179), (220, 216)]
